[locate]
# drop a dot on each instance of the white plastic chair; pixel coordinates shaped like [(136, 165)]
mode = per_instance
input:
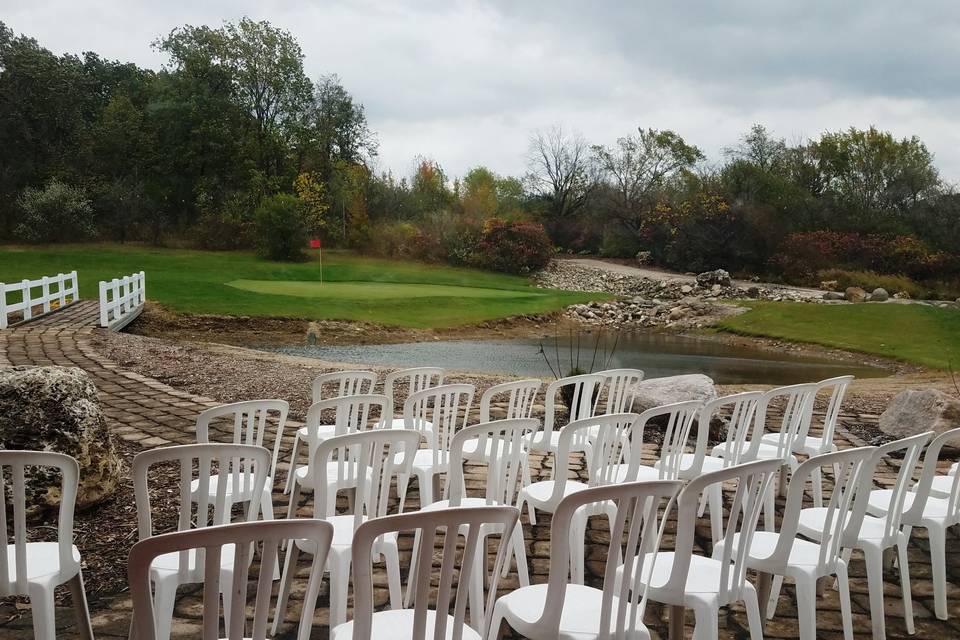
[(368, 461), (584, 392), (228, 545), (415, 379), (251, 421), (520, 397), (621, 388), (797, 410), (503, 440), (35, 569), (245, 466), (678, 419), (682, 579), (808, 445), (436, 414), (456, 575), (877, 534), (932, 510), (325, 386), (562, 610), (784, 553), (604, 441), (351, 415)]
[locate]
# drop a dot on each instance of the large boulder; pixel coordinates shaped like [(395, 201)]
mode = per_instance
[(660, 391), (879, 295), (56, 409), (917, 410), (717, 276), (855, 294)]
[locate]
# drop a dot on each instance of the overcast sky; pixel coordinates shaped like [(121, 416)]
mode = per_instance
[(467, 82)]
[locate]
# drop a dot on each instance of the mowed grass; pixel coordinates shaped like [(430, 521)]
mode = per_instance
[(915, 333), (387, 292)]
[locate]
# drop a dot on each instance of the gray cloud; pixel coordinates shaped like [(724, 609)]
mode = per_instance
[(466, 82)]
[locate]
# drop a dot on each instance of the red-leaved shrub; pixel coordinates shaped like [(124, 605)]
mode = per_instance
[(513, 247)]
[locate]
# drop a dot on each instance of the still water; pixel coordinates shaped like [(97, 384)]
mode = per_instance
[(657, 354)]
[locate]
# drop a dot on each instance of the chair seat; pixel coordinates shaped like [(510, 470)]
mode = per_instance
[(942, 485), (424, 459), (170, 562), (343, 528), (809, 445), (579, 617), (765, 451), (643, 472), (333, 475), (397, 624), (812, 524), (43, 562), (540, 494), (935, 508), (703, 579), (323, 432), (400, 423), (243, 480), (803, 553), (550, 443)]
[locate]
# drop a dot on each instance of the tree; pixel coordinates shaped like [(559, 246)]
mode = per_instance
[(335, 129), (640, 167), (758, 148), (560, 171)]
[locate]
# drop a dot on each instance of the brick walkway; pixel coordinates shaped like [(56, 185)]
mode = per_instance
[(143, 410)]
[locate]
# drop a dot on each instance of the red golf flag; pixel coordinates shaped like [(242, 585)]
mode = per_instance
[(315, 243)]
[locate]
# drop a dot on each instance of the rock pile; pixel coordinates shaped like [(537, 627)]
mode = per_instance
[(638, 313)]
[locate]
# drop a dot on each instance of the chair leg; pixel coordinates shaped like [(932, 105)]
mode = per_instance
[(843, 581), (816, 482), (706, 623), (806, 588), (226, 594), (715, 496), (905, 585), (79, 597), (677, 613), (43, 606), (774, 599), (938, 562), (425, 482), (286, 580), (339, 565), (495, 623), (752, 605), (769, 508), (873, 557), (164, 597), (475, 593), (291, 473), (578, 531), (403, 481), (391, 558), (412, 575), (520, 553)]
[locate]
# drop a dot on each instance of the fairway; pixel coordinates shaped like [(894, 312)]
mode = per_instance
[(386, 292), (917, 333)]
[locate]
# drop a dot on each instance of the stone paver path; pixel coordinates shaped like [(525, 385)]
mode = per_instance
[(148, 412)]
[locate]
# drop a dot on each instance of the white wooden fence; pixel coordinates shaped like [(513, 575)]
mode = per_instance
[(121, 300), (53, 294)]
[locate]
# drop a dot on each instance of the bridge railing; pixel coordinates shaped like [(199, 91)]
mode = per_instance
[(36, 297), (121, 300)]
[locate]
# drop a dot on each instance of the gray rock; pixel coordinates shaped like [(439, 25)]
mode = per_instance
[(833, 295), (660, 391), (917, 410), (879, 295), (717, 276), (901, 295), (313, 333), (56, 409), (855, 294), (685, 289)]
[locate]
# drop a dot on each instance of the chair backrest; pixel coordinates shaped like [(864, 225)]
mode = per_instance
[(583, 391), (246, 423), (620, 386), (643, 509), (504, 440), (367, 461), (797, 400), (844, 509), (208, 544), (520, 396), (343, 383), (740, 412), (456, 569), (416, 379), (910, 449), (753, 480), (678, 419), (445, 408), (238, 467), (351, 414), (835, 389), (922, 488), (608, 442), (13, 468)]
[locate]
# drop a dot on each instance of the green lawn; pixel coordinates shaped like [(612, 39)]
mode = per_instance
[(915, 333), (386, 292)]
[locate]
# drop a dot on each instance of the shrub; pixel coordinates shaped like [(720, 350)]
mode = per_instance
[(227, 225), (870, 280), (388, 238), (55, 213), (281, 234), (513, 247)]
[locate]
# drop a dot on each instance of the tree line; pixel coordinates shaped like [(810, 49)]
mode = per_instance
[(231, 145)]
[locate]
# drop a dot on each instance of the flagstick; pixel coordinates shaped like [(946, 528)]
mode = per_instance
[(320, 262)]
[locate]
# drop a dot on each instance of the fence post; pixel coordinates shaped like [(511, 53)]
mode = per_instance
[(143, 287), (104, 316), (3, 305), (27, 302), (45, 293), (75, 288)]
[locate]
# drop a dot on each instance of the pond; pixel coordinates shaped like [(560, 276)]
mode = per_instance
[(657, 354)]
